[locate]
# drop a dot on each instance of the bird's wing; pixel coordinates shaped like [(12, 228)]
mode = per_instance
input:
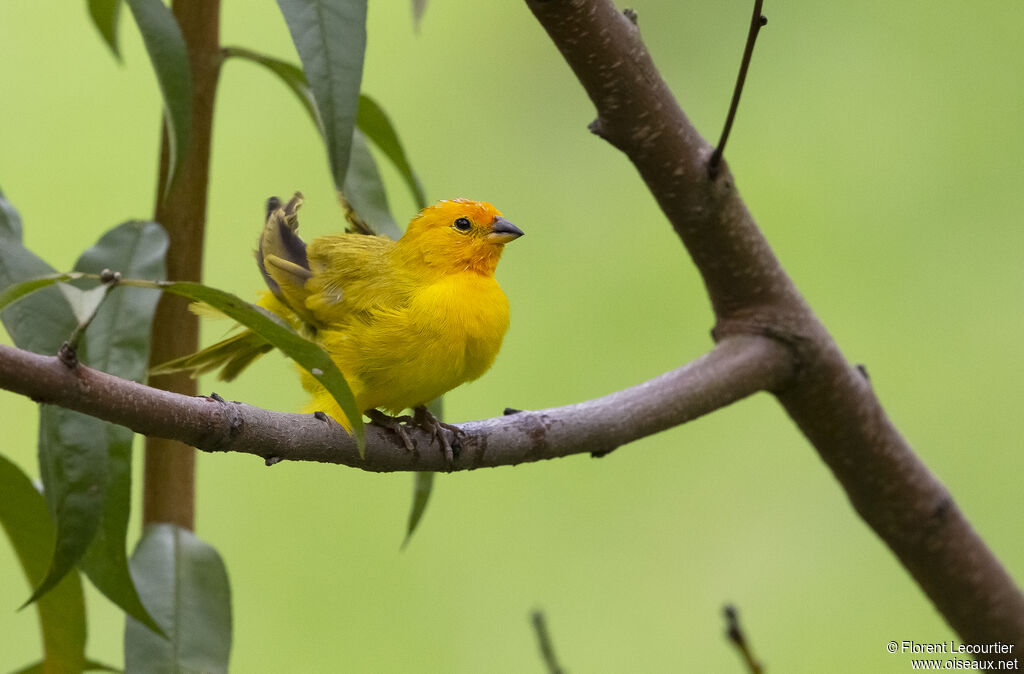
[(353, 275), (282, 257)]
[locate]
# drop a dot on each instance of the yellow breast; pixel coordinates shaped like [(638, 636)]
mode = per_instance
[(449, 333)]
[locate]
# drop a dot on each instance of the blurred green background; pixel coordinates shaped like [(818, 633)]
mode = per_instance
[(877, 144)]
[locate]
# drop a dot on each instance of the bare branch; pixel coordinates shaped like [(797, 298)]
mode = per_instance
[(736, 368), (757, 22), (734, 632), (830, 401), (547, 649)]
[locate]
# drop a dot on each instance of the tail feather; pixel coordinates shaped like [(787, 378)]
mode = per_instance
[(231, 356), (282, 261)]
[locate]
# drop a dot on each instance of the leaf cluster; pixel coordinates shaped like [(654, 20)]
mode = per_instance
[(174, 589)]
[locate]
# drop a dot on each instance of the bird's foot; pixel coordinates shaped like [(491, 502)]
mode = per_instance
[(438, 429), (394, 424), (423, 419)]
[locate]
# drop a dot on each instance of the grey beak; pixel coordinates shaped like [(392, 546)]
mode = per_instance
[(503, 231)]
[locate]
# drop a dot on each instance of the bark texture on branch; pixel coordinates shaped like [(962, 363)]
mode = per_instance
[(736, 368), (830, 401)]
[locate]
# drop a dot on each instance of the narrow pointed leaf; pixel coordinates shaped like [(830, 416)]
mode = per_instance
[(169, 56), (277, 332), (184, 584), (16, 291), (105, 561), (330, 36), (423, 483), (26, 521), (73, 463), (75, 480), (117, 341), (80, 458), (370, 119), (375, 124), (105, 15), (364, 191), (86, 464)]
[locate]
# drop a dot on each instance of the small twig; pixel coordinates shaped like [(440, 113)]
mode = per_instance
[(68, 352), (547, 651), (735, 634), (756, 23)]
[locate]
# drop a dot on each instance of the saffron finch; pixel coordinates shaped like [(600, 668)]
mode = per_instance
[(405, 321)]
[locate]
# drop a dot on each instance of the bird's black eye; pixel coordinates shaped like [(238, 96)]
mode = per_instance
[(462, 224)]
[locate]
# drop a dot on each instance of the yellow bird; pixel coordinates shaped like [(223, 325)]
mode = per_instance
[(405, 321)]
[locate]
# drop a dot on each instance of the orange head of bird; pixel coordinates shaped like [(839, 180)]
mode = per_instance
[(460, 235)]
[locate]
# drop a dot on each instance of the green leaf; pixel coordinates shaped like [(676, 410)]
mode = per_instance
[(277, 332), (26, 521), (374, 122), (423, 483), (73, 463), (86, 463), (364, 191), (39, 325), (105, 15), (15, 292), (370, 119), (184, 584), (74, 482), (117, 341), (167, 51), (330, 36), (105, 561), (418, 8)]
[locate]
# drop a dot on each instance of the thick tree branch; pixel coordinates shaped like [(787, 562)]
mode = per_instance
[(736, 368), (832, 403)]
